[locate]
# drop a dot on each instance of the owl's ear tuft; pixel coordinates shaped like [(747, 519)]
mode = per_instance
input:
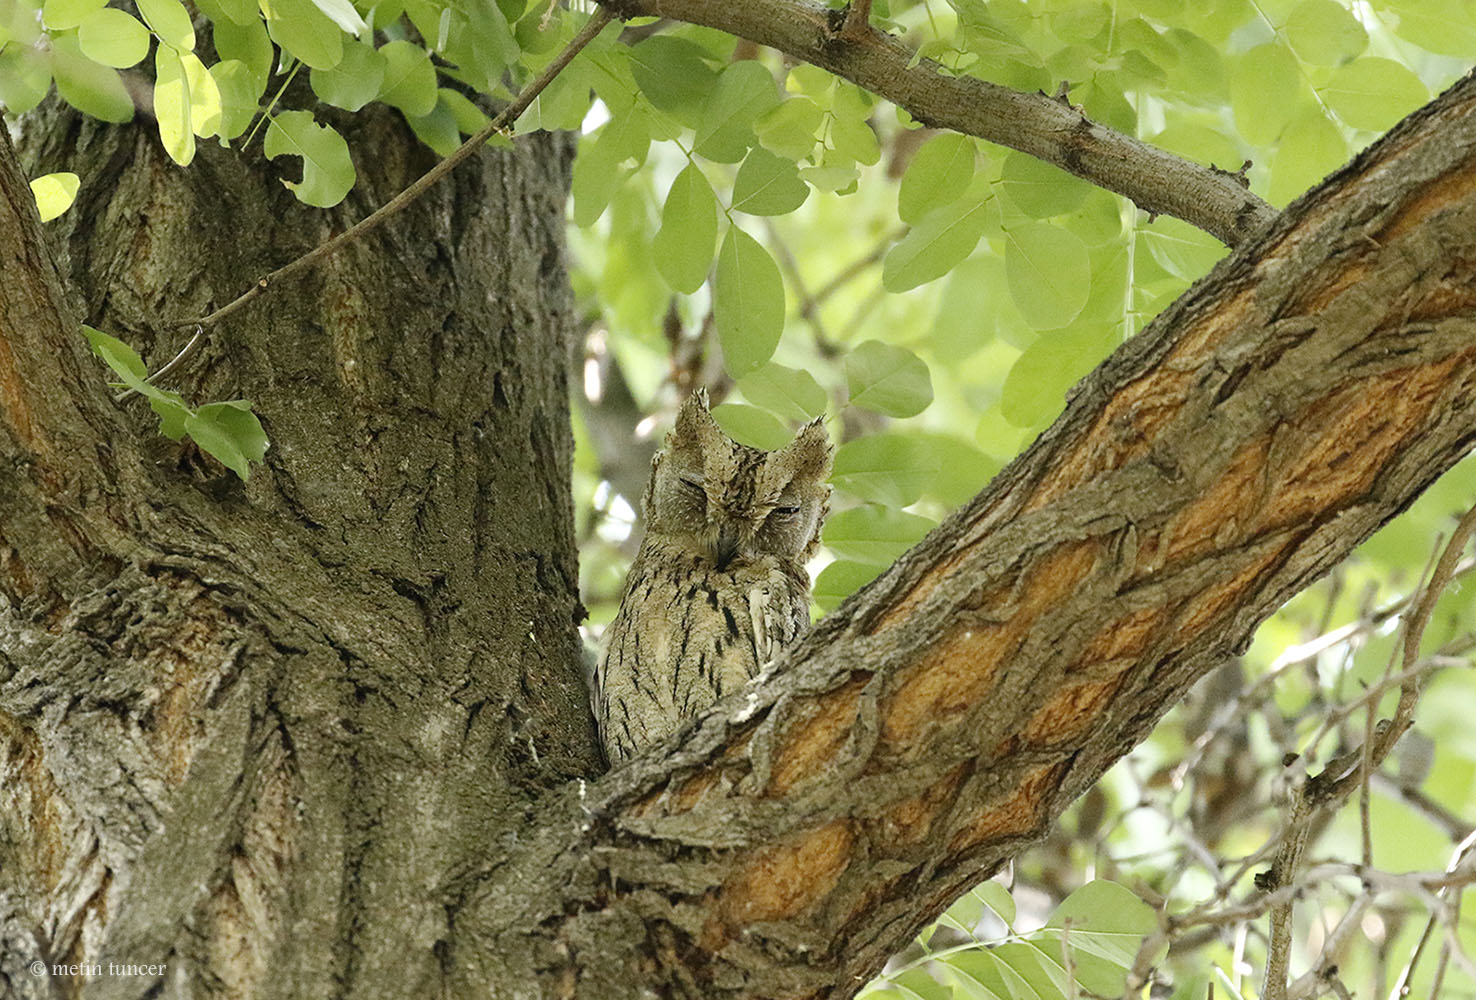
[(694, 424), (810, 452), (693, 418)]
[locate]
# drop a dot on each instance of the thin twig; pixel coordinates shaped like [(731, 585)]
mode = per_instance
[(504, 119), (189, 351)]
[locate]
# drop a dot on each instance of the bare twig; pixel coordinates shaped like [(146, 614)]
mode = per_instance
[(188, 351), (504, 119)]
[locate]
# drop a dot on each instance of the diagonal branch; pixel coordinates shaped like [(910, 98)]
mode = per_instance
[(1157, 181), (1265, 424)]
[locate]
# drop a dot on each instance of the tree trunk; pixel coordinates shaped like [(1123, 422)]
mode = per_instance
[(318, 733), (251, 732)]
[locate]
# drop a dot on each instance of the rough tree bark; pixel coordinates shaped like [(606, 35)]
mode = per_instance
[(325, 734), (252, 731)]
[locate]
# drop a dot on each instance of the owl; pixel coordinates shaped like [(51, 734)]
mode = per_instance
[(719, 586)]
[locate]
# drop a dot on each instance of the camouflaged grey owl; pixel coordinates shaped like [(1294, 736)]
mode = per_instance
[(719, 586)]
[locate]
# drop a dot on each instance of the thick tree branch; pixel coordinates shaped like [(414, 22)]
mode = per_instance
[(1275, 416), (1157, 181)]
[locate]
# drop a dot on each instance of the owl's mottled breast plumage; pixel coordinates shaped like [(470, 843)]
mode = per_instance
[(719, 586)]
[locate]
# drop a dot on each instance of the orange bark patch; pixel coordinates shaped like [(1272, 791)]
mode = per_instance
[(1326, 287), (1127, 636), (1011, 817), (909, 821), (959, 670), (1201, 610), (1131, 419), (677, 797), (1359, 429), (1071, 710), (1452, 190), (809, 745), (187, 667), (905, 605), (28, 793), (17, 413), (776, 883), (691, 791), (1218, 518)]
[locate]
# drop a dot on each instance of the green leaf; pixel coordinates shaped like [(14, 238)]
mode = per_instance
[(170, 21), (887, 379), (1263, 92), (305, 32), (752, 426), (683, 247), (744, 91), (438, 129), (934, 246), (327, 170), (230, 432), (25, 77), (873, 534), (994, 977), (247, 43), (1042, 974), (1035, 389), (840, 580), (1311, 148), (355, 81), (90, 88), (1373, 93), (172, 106), (1324, 32), (1104, 905), (1444, 26), (1039, 189), (768, 185), (469, 118), (62, 15), (998, 899), (409, 78), (749, 304), (790, 393), (1181, 249), (674, 75), (238, 12), (1048, 272), (240, 96), (597, 175), (343, 14), (54, 193), (789, 128), (855, 139), (963, 469), (205, 104), (938, 174), (113, 38), (917, 983), (887, 468), (172, 413), (830, 178), (117, 355), (598, 171)]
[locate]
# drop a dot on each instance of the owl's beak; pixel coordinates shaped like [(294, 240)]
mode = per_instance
[(724, 548)]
